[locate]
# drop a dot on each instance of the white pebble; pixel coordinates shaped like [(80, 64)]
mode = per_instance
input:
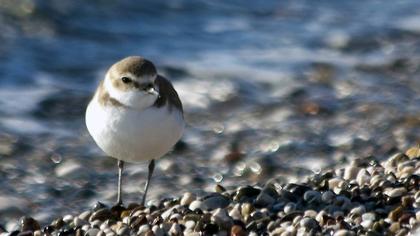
[(195, 205), (351, 172), (235, 212), (68, 218), (221, 217), (395, 192), (187, 198), (363, 177)]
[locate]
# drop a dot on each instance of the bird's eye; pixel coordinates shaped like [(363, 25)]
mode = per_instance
[(126, 80), (148, 87)]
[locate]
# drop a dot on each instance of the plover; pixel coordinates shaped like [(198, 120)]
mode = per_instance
[(135, 115)]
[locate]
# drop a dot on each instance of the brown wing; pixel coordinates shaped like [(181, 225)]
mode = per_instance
[(167, 94)]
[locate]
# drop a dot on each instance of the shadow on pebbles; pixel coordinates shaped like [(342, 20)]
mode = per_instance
[(367, 197)]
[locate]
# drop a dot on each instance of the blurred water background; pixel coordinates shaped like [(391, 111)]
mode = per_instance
[(271, 90)]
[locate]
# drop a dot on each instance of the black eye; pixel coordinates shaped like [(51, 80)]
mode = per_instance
[(126, 80), (148, 86)]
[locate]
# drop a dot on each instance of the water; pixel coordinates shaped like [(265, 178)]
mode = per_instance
[(287, 88)]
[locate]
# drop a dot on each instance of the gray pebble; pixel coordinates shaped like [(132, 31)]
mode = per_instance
[(123, 231), (328, 197), (175, 230), (289, 208), (214, 202), (85, 215), (92, 232), (312, 197), (264, 199)]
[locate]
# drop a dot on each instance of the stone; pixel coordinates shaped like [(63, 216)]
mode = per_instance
[(175, 230), (237, 230), (101, 214), (187, 198), (221, 218), (395, 192), (29, 224), (196, 204), (92, 232), (351, 172), (214, 202)]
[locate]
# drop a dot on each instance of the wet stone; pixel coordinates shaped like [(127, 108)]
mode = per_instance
[(29, 224), (309, 223), (215, 201), (101, 214)]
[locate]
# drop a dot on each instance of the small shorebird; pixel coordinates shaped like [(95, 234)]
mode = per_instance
[(135, 115)]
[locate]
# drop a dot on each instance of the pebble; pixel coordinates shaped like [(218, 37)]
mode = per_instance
[(363, 177), (92, 232), (235, 212), (312, 197), (29, 224), (328, 197), (289, 208), (143, 229), (187, 198), (220, 217), (308, 223), (360, 199), (85, 215), (175, 230), (264, 199), (197, 204), (237, 230), (343, 232), (395, 192), (214, 202), (351, 172), (101, 214)]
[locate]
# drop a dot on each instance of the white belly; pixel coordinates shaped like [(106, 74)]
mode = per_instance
[(131, 135)]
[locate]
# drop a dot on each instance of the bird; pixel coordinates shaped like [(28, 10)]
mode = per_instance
[(135, 115)]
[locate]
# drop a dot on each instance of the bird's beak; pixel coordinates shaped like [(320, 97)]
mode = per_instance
[(152, 91)]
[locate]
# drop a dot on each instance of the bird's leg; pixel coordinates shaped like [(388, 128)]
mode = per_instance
[(120, 170), (149, 177)]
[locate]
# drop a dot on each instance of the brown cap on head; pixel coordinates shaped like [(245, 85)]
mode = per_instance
[(135, 65)]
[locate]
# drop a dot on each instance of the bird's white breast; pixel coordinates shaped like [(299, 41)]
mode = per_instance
[(132, 135)]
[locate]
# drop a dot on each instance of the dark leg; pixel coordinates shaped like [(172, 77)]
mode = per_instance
[(120, 170), (149, 177)]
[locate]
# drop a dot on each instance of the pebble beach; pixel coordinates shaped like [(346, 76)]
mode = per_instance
[(366, 197), (301, 117)]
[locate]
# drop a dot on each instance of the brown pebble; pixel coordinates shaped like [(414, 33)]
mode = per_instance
[(149, 233), (405, 218), (394, 227), (413, 152), (237, 230), (407, 201), (219, 188), (101, 214), (29, 224), (79, 232), (396, 213), (125, 213)]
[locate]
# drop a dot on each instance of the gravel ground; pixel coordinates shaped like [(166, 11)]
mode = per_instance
[(366, 197)]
